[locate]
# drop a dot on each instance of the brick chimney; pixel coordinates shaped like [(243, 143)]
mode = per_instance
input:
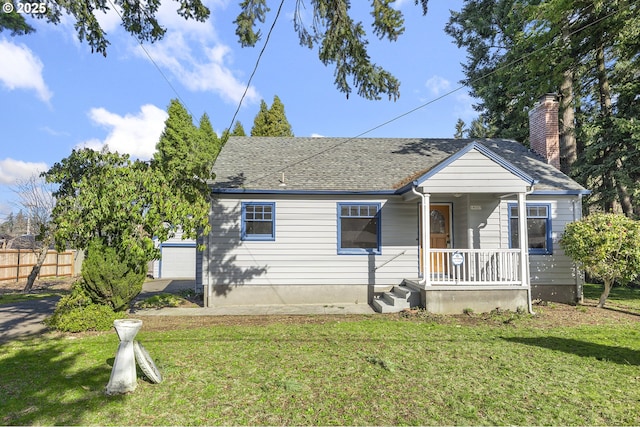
[(544, 136)]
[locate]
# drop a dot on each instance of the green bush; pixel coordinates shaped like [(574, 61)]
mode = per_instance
[(110, 277), (76, 312), (607, 246)]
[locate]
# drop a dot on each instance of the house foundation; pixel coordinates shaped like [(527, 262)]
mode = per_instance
[(222, 296), (456, 301)]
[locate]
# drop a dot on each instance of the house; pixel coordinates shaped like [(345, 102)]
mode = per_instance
[(447, 224)]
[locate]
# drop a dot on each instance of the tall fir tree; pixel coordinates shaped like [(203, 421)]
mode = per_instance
[(261, 121), (582, 50), (238, 130), (208, 144), (271, 121)]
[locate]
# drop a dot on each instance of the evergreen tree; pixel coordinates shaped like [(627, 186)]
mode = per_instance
[(271, 121), (261, 121), (460, 129), (278, 123), (208, 144), (585, 51), (238, 130)]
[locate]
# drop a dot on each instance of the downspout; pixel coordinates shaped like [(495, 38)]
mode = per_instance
[(530, 305), (577, 214), (423, 237)]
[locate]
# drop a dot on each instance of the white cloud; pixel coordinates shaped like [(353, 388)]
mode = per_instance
[(206, 70), (438, 85), (193, 55), (15, 170), (135, 134), (20, 68)]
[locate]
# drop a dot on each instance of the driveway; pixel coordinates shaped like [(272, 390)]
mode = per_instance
[(24, 319)]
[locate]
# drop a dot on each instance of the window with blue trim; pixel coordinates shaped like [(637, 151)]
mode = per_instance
[(538, 228), (358, 228), (258, 221)]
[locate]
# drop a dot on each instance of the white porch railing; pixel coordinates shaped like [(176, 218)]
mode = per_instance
[(478, 267)]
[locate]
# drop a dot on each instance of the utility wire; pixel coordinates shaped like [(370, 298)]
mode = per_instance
[(139, 40), (413, 110), (255, 67)]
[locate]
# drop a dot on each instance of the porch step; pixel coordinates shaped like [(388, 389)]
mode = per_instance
[(399, 298)]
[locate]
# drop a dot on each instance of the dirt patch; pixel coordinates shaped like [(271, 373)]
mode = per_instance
[(547, 316)]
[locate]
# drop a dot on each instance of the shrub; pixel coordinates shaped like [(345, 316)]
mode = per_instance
[(607, 246), (76, 312), (110, 277)]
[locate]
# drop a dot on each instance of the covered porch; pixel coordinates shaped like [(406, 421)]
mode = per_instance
[(472, 234)]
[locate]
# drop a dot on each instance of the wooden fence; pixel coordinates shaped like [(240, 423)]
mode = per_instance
[(16, 264)]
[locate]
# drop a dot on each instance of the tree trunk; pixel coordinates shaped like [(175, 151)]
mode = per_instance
[(605, 294), (42, 255), (603, 83), (568, 143)]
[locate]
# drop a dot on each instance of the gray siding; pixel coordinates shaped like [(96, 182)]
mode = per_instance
[(474, 173), (305, 248), (556, 268)]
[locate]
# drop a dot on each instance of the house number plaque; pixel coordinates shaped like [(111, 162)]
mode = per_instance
[(457, 259)]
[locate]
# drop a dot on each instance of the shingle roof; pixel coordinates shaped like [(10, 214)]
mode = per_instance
[(359, 164)]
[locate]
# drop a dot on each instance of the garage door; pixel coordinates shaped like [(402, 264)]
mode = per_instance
[(178, 261)]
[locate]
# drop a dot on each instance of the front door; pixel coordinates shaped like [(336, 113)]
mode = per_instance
[(440, 236)]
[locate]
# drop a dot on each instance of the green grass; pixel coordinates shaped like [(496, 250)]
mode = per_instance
[(620, 297), (382, 370), (11, 298), (160, 301)]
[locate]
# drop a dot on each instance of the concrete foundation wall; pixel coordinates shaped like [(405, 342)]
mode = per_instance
[(441, 301), (221, 296), (562, 294)]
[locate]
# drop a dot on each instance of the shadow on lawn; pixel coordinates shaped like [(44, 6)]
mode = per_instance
[(41, 385), (605, 353)]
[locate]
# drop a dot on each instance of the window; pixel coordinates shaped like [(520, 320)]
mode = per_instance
[(258, 221), (358, 228), (538, 228)]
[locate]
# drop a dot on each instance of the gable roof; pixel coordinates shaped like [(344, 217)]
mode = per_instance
[(388, 165)]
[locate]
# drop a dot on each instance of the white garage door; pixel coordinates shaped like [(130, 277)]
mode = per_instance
[(178, 261)]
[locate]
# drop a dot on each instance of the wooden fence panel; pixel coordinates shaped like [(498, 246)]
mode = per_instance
[(16, 264)]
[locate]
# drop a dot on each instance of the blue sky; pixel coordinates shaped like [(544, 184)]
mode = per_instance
[(56, 95)]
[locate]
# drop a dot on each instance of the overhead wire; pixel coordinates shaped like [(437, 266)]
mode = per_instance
[(144, 49), (255, 67), (413, 110)]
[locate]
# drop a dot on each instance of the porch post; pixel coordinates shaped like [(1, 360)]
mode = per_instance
[(523, 238), (426, 241)]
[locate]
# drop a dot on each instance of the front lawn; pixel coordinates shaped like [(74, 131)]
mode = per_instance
[(578, 368), (620, 298)]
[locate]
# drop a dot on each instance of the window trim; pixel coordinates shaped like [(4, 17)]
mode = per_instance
[(257, 237), (359, 251), (549, 237)]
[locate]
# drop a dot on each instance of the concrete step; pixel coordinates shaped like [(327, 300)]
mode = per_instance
[(396, 300), (381, 306), (402, 291)]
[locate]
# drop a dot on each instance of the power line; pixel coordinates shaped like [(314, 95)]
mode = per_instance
[(139, 40), (413, 110), (255, 68)]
